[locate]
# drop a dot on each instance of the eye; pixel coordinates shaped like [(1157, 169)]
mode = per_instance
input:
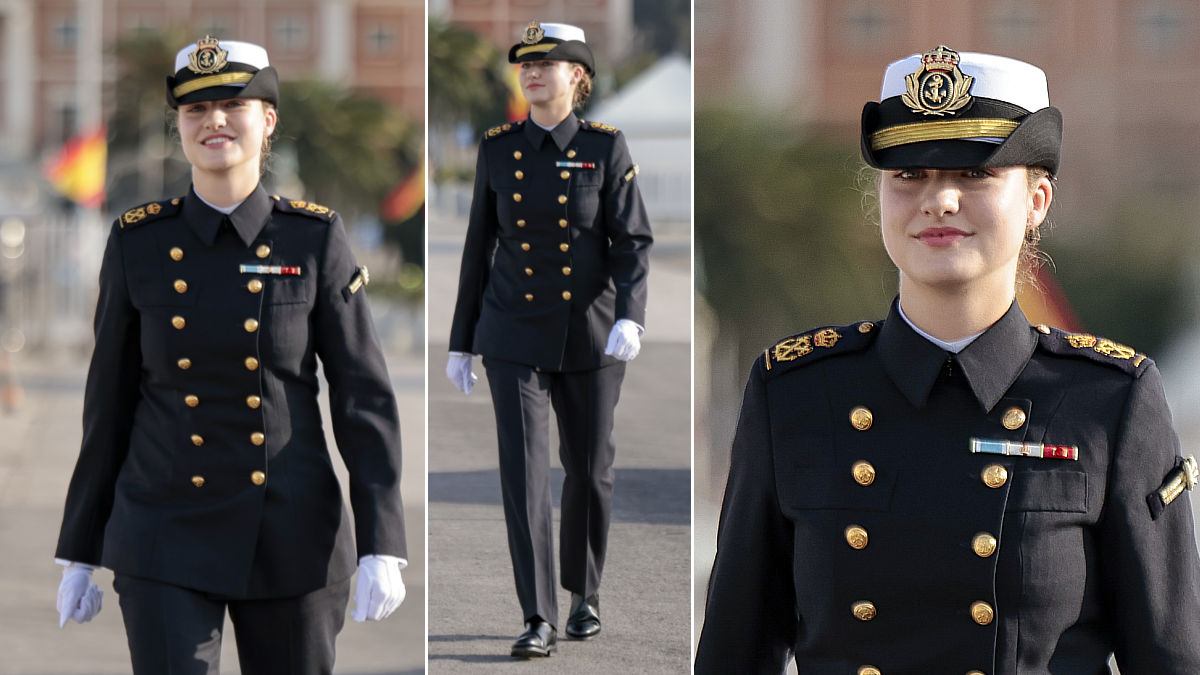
[(977, 173), (909, 174)]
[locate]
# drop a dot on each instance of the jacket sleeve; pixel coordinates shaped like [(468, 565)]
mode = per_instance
[(750, 619), (629, 234), (110, 399), (476, 266), (362, 405), (1151, 565)]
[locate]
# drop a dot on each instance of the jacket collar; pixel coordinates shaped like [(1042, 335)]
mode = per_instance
[(991, 363), (248, 219), (561, 134)]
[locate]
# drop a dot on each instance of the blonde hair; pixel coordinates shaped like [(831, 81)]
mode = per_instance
[(583, 89)]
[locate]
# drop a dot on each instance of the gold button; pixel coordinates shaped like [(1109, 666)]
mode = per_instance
[(529, 297), (262, 251), (197, 440), (866, 327), (253, 401), (983, 544), (566, 271), (869, 670), (198, 481), (521, 223), (180, 286), (863, 610), (1043, 329), (525, 246), (861, 418), (994, 475), (516, 196), (562, 199), (258, 438), (562, 222), (565, 174), (566, 295), (982, 612), (178, 321), (564, 247), (519, 174), (528, 271), (250, 325), (976, 672), (191, 400), (184, 363), (251, 363), (864, 473), (176, 254), (258, 478), (571, 153), (516, 154), (1013, 418), (856, 536), (255, 285)]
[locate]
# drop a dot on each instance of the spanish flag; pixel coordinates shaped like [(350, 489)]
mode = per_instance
[(518, 107), (407, 198), (1047, 303), (77, 169)]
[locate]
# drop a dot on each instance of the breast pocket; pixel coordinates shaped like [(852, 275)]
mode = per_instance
[(1058, 490), (585, 196), (288, 290)]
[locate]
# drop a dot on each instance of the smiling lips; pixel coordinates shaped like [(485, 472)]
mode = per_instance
[(215, 140), (941, 237)]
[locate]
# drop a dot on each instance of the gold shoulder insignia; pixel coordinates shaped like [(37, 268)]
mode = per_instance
[(818, 342), (501, 129), (603, 127), (1184, 476), (304, 207), (147, 212), (1097, 348), (631, 173)]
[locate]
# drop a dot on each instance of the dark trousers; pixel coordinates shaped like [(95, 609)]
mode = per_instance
[(584, 403), (177, 631)]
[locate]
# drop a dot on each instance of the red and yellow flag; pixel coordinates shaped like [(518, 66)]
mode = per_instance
[(407, 198), (518, 107), (77, 169)]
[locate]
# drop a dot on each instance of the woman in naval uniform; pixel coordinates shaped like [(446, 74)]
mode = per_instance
[(204, 481), (552, 294), (952, 490)]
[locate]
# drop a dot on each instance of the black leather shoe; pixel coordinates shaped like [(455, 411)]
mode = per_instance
[(584, 622), (538, 639)]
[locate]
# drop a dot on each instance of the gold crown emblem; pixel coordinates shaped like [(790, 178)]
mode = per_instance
[(208, 56), (533, 33), (938, 87)]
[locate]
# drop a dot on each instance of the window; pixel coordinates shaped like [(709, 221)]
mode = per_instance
[(291, 34)]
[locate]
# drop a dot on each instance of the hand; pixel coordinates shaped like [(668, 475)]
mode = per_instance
[(76, 598), (625, 340), (379, 590), (458, 369)]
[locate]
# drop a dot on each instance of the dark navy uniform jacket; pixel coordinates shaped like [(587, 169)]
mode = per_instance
[(204, 462), (861, 534), (557, 246)]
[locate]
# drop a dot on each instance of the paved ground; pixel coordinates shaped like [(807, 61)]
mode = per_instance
[(38, 446), (645, 600)]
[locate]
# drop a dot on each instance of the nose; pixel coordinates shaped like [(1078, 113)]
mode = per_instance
[(215, 119), (940, 198)]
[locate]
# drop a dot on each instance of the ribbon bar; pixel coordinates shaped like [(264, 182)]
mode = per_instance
[(1025, 449), (576, 165), (269, 269)]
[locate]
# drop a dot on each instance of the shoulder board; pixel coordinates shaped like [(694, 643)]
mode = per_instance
[(814, 345), (147, 212), (311, 209), (1091, 347), (599, 126), (506, 128)]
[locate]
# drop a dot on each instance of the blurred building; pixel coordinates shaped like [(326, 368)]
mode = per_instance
[(57, 54), (608, 24), (1125, 72)]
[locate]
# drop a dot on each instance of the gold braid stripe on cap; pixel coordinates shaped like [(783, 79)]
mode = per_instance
[(211, 81), (942, 130), (536, 48)]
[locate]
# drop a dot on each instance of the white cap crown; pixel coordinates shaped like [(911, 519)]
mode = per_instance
[(996, 77)]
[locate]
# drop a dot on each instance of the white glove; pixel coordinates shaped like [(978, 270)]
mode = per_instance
[(379, 590), (76, 598), (458, 369), (625, 340)]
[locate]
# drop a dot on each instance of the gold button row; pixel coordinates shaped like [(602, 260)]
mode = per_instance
[(256, 477), (981, 612), (185, 363), (861, 417)]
